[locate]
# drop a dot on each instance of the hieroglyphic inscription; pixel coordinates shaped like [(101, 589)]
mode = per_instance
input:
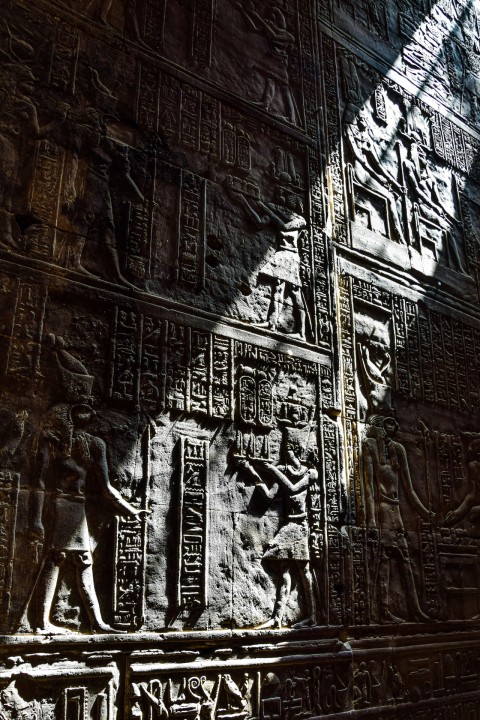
[(193, 524), (140, 219), (45, 197), (202, 30), (191, 238), (126, 333), (27, 329), (130, 548), (9, 487), (157, 363), (154, 23), (128, 611), (64, 58), (336, 220), (148, 85)]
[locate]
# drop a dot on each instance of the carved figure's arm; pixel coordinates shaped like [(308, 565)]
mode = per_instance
[(258, 220), (250, 16), (412, 178), (369, 479), (380, 171), (407, 482), (268, 492), (285, 481), (37, 497), (99, 454)]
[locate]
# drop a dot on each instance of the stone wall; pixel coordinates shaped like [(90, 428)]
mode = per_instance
[(240, 354)]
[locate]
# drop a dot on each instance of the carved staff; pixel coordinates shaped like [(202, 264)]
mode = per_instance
[(404, 199)]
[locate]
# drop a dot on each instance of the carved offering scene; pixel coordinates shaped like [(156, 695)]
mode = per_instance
[(239, 360)]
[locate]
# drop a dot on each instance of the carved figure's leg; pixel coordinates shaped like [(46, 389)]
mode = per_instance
[(283, 595), (299, 310), (88, 594), (104, 10), (276, 305), (268, 93), (112, 251), (411, 591), (281, 601), (47, 587), (290, 104), (384, 588), (309, 593)]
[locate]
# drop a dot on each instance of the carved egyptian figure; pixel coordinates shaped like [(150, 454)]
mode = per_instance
[(472, 492), (428, 201), (67, 454), (14, 707), (368, 168), (290, 546), (283, 269), (375, 361), (385, 469), (19, 126), (274, 66), (90, 209)]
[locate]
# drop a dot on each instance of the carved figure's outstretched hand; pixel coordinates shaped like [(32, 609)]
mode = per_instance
[(135, 512), (451, 517)]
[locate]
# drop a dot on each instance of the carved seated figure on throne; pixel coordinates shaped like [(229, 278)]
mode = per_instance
[(471, 502), (369, 171), (429, 206)]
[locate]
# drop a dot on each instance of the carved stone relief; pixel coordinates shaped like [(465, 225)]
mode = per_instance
[(239, 332)]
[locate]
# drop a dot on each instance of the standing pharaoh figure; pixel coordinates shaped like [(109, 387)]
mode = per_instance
[(284, 268), (274, 66), (90, 206), (385, 470), (290, 546)]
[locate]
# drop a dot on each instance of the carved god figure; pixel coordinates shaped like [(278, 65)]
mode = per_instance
[(67, 455), (369, 170), (385, 470)]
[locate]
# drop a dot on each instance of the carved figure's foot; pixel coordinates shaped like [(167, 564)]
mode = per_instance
[(307, 622), (51, 629), (80, 269), (421, 616), (388, 617), (127, 283), (102, 627), (272, 623), (8, 243)]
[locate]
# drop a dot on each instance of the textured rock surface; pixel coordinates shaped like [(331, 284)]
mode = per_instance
[(240, 349)]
